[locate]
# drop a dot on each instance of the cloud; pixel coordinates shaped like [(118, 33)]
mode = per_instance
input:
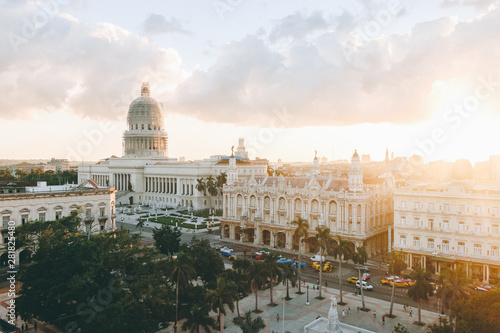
[(297, 26), (387, 78), (89, 69), (158, 24)]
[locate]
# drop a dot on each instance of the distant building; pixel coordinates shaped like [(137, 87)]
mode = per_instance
[(95, 204), (260, 210), (365, 158), (450, 224), (60, 164)]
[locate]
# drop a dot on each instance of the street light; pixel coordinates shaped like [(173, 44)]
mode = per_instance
[(307, 300)]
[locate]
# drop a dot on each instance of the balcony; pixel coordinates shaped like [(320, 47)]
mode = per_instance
[(103, 218)]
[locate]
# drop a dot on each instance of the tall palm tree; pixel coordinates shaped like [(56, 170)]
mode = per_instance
[(224, 294), (196, 317), (201, 186), (273, 271), (360, 257), (220, 180), (343, 251), (300, 233), (257, 276), (239, 276), (323, 238), (249, 324), (454, 285), (140, 225), (421, 290), (396, 265), (211, 188), (289, 275), (182, 273)]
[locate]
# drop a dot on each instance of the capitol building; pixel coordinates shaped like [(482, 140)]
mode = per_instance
[(146, 175)]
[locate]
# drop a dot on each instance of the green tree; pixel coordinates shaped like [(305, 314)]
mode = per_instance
[(239, 276), (198, 317), (201, 186), (400, 329), (224, 294), (323, 239), (206, 261), (167, 239), (478, 313), (453, 286), (300, 233), (257, 276), (273, 272), (220, 181), (140, 224), (249, 324), (343, 251), (289, 275), (211, 187), (396, 266), (421, 290), (444, 326), (182, 273), (360, 257)]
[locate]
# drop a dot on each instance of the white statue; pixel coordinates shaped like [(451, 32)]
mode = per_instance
[(333, 325)]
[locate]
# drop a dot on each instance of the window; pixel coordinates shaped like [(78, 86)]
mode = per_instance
[(403, 220), (461, 226), (478, 210), (41, 216), (477, 227), (416, 241), (446, 207), (461, 247), (417, 205), (446, 245), (24, 218), (5, 220), (101, 211), (431, 224), (494, 229), (402, 240), (431, 206), (430, 243), (88, 213), (477, 249), (446, 225), (403, 204), (58, 214), (494, 251), (416, 221)]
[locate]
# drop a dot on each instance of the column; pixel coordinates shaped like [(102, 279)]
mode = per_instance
[(410, 260)]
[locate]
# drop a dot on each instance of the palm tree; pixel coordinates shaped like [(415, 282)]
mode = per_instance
[(300, 233), (360, 257), (201, 186), (196, 317), (224, 294), (182, 274), (220, 180), (257, 276), (212, 189), (343, 251), (289, 276), (454, 285), (273, 272), (239, 276), (396, 265), (421, 290), (250, 325), (323, 238), (140, 225)]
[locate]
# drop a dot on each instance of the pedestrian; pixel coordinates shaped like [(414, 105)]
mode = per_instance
[(36, 326), (317, 281), (277, 317), (374, 314), (404, 308), (304, 282), (383, 320), (357, 309), (348, 309), (326, 283), (343, 314), (411, 312)]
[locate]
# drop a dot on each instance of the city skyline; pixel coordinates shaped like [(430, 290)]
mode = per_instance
[(289, 78)]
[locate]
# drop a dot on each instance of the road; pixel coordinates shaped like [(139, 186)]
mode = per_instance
[(380, 291)]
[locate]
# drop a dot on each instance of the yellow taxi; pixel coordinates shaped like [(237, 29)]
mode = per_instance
[(352, 279)]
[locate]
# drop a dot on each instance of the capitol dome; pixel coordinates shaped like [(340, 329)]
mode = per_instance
[(145, 136)]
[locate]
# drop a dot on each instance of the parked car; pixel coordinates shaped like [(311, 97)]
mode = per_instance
[(317, 258), (296, 263), (365, 276), (227, 254), (263, 250), (226, 249), (365, 285), (363, 268), (352, 279), (284, 261)]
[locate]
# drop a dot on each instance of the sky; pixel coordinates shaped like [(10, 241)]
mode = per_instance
[(289, 76)]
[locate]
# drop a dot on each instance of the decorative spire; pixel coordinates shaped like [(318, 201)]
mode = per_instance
[(145, 89)]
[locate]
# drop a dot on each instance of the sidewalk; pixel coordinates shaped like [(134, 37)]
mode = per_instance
[(297, 314)]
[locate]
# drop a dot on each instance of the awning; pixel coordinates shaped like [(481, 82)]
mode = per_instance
[(443, 259)]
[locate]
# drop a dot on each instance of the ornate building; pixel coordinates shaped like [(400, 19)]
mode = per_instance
[(146, 175), (450, 224), (260, 210)]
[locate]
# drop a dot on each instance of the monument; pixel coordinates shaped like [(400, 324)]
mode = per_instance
[(333, 325)]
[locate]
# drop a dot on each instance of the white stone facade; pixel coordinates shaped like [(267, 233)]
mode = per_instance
[(260, 210), (96, 207), (449, 224)]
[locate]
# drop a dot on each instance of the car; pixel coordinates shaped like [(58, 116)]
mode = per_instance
[(352, 279), (318, 258), (263, 250), (482, 287), (327, 266), (284, 261), (365, 285), (226, 249), (261, 256), (399, 283), (362, 268), (233, 257), (296, 263), (227, 254), (366, 276), (315, 264)]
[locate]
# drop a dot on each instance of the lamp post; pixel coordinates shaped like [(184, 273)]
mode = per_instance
[(307, 300)]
